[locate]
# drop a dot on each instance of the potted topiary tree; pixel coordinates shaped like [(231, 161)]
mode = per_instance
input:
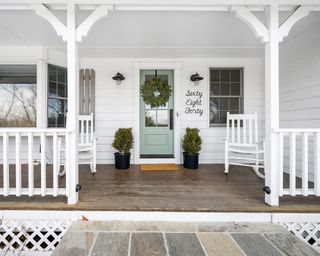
[(123, 143), (191, 144)]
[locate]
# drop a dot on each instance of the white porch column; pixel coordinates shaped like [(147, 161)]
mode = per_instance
[(73, 106), (42, 88), (272, 104)]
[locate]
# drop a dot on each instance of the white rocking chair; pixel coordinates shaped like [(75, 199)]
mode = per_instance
[(242, 145), (86, 146)]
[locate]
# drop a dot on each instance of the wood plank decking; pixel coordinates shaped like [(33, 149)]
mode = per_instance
[(205, 189)]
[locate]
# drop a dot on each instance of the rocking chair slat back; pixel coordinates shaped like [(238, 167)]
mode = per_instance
[(86, 129), (242, 129)]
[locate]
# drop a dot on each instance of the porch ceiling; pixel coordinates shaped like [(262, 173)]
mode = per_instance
[(147, 33)]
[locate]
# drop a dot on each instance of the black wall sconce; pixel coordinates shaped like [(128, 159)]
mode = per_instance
[(118, 78), (196, 78)]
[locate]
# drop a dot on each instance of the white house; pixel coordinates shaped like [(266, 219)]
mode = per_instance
[(254, 56)]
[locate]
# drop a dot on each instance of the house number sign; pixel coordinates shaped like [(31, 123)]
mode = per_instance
[(193, 103)]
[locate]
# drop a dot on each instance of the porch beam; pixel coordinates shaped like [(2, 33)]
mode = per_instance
[(93, 18), (243, 13), (300, 13), (72, 171), (171, 2), (45, 13), (272, 105)]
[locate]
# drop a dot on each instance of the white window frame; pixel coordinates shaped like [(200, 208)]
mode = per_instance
[(241, 97)]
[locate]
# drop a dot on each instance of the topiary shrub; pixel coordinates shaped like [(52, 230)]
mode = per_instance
[(191, 142), (123, 140)]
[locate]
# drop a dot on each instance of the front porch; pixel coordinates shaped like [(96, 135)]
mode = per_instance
[(205, 190)]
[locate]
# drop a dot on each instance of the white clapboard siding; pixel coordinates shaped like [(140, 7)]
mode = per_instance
[(300, 93)]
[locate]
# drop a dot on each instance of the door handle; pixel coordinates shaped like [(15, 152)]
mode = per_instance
[(171, 119)]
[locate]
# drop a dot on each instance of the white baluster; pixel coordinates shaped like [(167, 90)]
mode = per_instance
[(6, 188), (250, 131), (82, 130), (304, 142), (67, 163), (43, 164), (30, 165), (87, 131), (55, 164), (317, 164), (238, 130), (232, 130), (293, 164), (244, 131), (18, 164), (280, 164)]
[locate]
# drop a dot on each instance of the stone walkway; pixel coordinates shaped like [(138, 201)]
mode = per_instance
[(179, 239)]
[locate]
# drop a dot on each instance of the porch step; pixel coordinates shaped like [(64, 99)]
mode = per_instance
[(178, 238)]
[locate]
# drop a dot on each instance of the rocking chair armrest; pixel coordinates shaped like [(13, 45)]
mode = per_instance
[(261, 141)]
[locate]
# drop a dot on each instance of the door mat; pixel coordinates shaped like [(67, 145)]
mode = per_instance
[(159, 167)]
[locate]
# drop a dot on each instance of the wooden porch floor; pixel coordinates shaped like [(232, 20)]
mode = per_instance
[(205, 189)]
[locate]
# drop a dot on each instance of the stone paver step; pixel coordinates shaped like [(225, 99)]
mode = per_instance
[(119, 238)]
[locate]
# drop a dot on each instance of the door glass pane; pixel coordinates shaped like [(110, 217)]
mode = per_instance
[(150, 118), (162, 120)]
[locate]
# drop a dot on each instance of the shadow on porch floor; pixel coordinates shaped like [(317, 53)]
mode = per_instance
[(205, 189)]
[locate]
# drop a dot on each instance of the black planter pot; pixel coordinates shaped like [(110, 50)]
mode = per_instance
[(190, 161), (122, 161)]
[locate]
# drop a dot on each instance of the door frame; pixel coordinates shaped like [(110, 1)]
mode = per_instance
[(176, 67)]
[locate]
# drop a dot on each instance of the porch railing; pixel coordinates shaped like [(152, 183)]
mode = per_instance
[(299, 157), (18, 156)]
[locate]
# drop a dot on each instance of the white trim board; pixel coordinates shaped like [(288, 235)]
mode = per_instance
[(161, 216), (176, 67)]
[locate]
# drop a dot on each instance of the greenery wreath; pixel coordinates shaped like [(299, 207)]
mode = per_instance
[(155, 92)]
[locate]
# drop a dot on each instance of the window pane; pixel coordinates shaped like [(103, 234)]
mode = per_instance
[(225, 89), (62, 76), (234, 104), (57, 109), (162, 120), (215, 75), (224, 104), (61, 90), (18, 95), (52, 73), (215, 89), (52, 89), (225, 75), (57, 96), (235, 89), (150, 118), (223, 117), (235, 75)]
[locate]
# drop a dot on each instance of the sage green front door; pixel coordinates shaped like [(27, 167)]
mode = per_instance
[(156, 124)]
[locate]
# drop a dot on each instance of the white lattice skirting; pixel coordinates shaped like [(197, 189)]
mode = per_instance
[(31, 235), (308, 232)]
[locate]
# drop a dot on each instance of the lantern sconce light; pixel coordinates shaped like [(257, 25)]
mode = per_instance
[(118, 78), (196, 78)]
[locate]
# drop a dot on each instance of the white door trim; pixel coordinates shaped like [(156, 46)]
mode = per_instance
[(176, 67)]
